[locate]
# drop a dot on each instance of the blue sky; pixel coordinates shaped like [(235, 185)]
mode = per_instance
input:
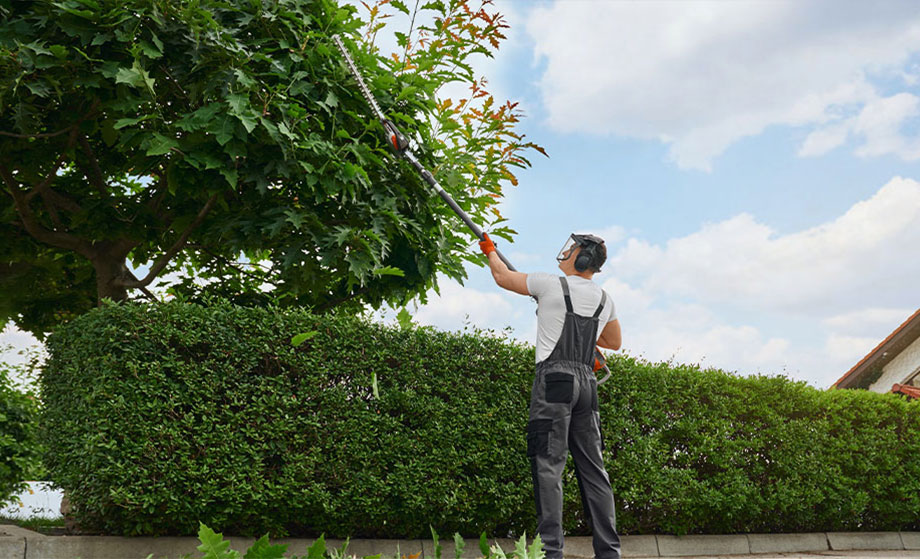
[(752, 165)]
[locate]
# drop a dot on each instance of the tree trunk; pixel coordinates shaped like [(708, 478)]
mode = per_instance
[(110, 267)]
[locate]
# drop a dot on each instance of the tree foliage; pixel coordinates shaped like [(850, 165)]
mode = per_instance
[(227, 140)]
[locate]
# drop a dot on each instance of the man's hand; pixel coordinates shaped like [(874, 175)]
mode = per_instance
[(486, 245)]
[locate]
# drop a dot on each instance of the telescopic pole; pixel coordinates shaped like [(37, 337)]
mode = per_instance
[(400, 145)]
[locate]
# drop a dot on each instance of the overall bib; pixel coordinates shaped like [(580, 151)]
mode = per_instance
[(564, 416)]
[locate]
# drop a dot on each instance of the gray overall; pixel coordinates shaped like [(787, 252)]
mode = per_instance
[(564, 416)]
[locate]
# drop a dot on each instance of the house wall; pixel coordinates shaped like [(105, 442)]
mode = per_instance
[(899, 369)]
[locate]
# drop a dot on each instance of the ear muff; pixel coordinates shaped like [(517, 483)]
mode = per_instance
[(585, 257)]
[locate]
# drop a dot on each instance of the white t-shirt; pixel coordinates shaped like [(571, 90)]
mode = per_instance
[(585, 295)]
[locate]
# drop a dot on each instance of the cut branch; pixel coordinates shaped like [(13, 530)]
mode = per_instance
[(163, 260)]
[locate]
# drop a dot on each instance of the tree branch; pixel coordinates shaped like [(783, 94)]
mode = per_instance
[(53, 238), (41, 187), (143, 289), (97, 179), (230, 264), (335, 302), (173, 250), (52, 211), (72, 127), (45, 135)]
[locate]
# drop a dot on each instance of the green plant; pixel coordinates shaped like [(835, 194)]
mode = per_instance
[(214, 546), (20, 453), (36, 524)]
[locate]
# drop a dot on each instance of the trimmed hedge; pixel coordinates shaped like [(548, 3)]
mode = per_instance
[(160, 416)]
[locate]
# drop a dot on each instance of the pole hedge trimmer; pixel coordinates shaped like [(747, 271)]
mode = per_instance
[(400, 144)]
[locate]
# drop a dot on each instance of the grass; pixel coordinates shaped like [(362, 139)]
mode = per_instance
[(36, 524)]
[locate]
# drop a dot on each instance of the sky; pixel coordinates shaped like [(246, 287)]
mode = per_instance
[(754, 167)]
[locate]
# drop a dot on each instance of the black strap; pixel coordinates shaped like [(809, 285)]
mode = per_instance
[(600, 307), (565, 292)]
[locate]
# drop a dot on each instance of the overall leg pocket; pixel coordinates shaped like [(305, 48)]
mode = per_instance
[(538, 436), (559, 387)]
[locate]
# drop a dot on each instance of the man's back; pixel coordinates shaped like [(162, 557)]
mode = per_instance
[(585, 295)]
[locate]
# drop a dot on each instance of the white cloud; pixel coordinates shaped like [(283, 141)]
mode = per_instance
[(871, 319), (659, 329), (458, 305), (850, 348), (867, 253), (702, 75), (738, 296)]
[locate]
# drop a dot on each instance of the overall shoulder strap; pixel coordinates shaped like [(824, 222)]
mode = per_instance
[(565, 292), (600, 307)]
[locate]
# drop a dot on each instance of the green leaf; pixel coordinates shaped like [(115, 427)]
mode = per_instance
[(156, 41), (37, 48), (400, 6), (484, 545), (204, 160), (374, 388), (388, 271), (134, 76), (458, 545), (536, 549), (295, 218), (231, 175), (406, 92), (149, 50), (296, 341), (124, 122), (243, 78), (38, 88), (239, 104), (520, 547), (213, 544), (200, 118), (161, 144), (434, 535), (262, 550), (405, 322), (282, 127), (331, 100), (59, 51), (317, 549), (223, 128), (249, 122), (86, 14), (109, 135)]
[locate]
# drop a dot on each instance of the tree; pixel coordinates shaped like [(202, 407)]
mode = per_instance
[(217, 135)]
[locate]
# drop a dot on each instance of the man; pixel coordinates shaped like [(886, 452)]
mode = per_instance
[(563, 403)]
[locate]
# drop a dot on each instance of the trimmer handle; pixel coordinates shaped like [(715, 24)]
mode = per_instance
[(397, 139), (600, 362)]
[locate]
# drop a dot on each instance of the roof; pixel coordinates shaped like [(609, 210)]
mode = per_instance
[(903, 336), (910, 391)]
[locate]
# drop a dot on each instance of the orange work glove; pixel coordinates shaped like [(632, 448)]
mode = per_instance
[(599, 360), (486, 245)]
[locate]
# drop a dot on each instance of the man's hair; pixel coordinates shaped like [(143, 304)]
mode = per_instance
[(600, 256)]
